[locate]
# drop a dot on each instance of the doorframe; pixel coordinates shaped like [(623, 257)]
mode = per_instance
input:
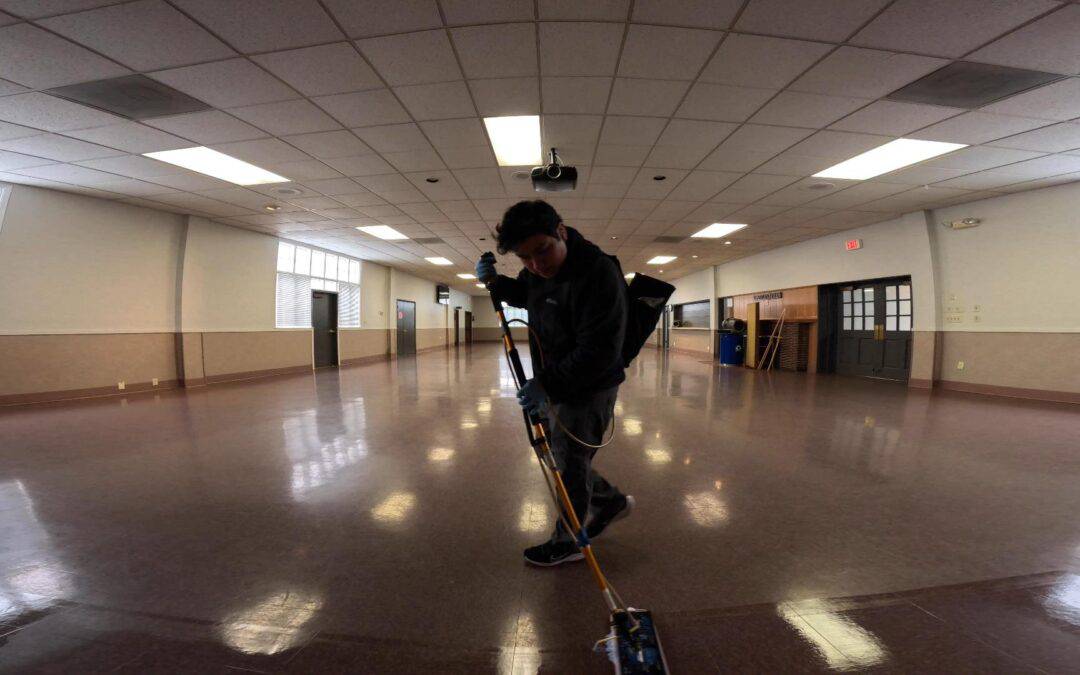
[(829, 324), (397, 352), (337, 331)]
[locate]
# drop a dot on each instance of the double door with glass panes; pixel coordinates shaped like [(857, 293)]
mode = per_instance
[(875, 329)]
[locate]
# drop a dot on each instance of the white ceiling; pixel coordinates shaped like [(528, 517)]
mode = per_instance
[(360, 101)]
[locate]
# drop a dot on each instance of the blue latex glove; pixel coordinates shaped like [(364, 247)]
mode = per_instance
[(533, 398), (485, 270)]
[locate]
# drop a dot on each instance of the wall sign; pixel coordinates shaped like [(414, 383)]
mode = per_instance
[(775, 295), (853, 244)]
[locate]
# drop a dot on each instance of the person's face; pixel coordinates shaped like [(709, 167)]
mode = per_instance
[(543, 254)]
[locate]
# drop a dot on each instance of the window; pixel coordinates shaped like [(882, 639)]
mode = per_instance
[(727, 308), (512, 313), (898, 307), (302, 270)]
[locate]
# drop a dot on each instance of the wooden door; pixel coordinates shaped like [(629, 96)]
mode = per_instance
[(874, 339), (406, 327)]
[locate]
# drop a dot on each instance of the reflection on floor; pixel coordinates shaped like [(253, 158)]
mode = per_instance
[(371, 520)]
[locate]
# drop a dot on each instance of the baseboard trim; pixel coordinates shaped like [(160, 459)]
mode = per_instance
[(1011, 392), (689, 352), (917, 383), (89, 392), (190, 382), (365, 360), (255, 374)]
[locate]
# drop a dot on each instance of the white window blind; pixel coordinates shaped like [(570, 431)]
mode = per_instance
[(512, 313), (293, 300), (348, 305)]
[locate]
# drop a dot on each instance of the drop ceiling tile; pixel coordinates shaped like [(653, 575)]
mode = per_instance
[(467, 157), (364, 108), (446, 100), (676, 156), (394, 138), (837, 145), (131, 137), (703, 185), (262, 152), (506, 96), (412, 58), (455, 133), (763, 138), (563, 131), (582, 95), (751, 188), (1053, 138), (58, 148), (703, 13), (605, 190), (574, 10), (335, 186), (979, 158), (790, 164), (612, 175), (136, 188), (191, 181), (948, 29), (69, 173), (976, 127), (1057, 101), (726, 159), (1055, 35), (13, 160), (211, 126), (318, 71), (225, 84), (758, 61), (306, 171), (9, 131), (11, 88), (723, 102), (364, 165), (752, 214), (619, 130), (146, 35), (55, 62), (414, 160), (366, 18), (661, 52), (248, 26), (459, 12), (805, 191), (504, 50), (920, 174), (286, 117), (894, 118), (363, 198), (695, 133), (827, 20), (329, 144), (866, 73), (796, 109), (50, 113), (645, 187), (657, 98), (859, 193), (912, 199), (574, 48), (622, 155)]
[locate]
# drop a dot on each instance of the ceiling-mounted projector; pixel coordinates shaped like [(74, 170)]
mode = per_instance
[(554, 177)]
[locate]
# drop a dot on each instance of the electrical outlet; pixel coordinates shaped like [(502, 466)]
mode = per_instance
[(954, 318), (154, 381), (976, 318), (976, 308), (120, 385), (959, 365)]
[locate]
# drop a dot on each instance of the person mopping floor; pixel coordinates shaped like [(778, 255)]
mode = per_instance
[(577, 303)]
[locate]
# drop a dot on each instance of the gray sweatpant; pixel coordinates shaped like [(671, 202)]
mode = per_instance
[(589, 420)]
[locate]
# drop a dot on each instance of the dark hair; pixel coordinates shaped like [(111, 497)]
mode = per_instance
[(523, 220)]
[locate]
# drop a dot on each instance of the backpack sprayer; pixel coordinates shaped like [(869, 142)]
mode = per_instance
[(632, 643)]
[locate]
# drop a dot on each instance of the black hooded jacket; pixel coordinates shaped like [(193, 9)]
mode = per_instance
[(580, 318)]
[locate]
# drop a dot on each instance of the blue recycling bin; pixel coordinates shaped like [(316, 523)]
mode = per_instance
[(732, 351)]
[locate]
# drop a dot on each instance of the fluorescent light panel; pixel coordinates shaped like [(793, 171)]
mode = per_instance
[(717, 230), (382, 232), (662, 259), (218, 165), (889, 157), (516, 140), (481, 286), (438, 261), (466, 276)]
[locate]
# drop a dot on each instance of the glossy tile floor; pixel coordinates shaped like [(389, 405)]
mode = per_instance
[(372, 520)]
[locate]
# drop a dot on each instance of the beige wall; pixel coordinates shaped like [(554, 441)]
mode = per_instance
[(362, 343), (375, 312), (696, 340), (254, 351), (434, 322), (75, 264)]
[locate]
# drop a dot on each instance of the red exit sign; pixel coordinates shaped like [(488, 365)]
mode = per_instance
[(853, 244)]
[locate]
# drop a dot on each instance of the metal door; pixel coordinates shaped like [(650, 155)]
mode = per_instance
[(324, 327), (406, 327)]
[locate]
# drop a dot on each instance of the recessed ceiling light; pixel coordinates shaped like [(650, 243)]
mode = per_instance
[(889, 157), (218, 165), (382, 232), (272, 207), (614, 238), (728, 243), (466, 276), (693, 256), (432, 180), (659, 177), (481, 286), (661, 259), (516, 140), (438, 261), (287, 191), (717, 230)]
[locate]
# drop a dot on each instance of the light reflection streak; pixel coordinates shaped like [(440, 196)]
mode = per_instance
[(631, 426), (843, 644), (706, 508), (440, 454), (1063, 601), (40, 583), (273, 625), (520, 653), (534, 516), (395, 508), (658, 455)]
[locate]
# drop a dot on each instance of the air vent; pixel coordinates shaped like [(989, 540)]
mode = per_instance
[(971, 85), (136, 97), (668, 240), (428, 240)]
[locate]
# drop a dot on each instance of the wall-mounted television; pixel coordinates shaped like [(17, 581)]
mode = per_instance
[(442, 294)]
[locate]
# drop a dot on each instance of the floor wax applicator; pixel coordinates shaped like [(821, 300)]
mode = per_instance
[(632, 643)]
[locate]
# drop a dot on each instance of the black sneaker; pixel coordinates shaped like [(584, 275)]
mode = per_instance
[(550, 554), (608, 515)]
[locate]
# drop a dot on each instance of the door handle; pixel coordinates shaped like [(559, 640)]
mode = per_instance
[(331, 331)]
